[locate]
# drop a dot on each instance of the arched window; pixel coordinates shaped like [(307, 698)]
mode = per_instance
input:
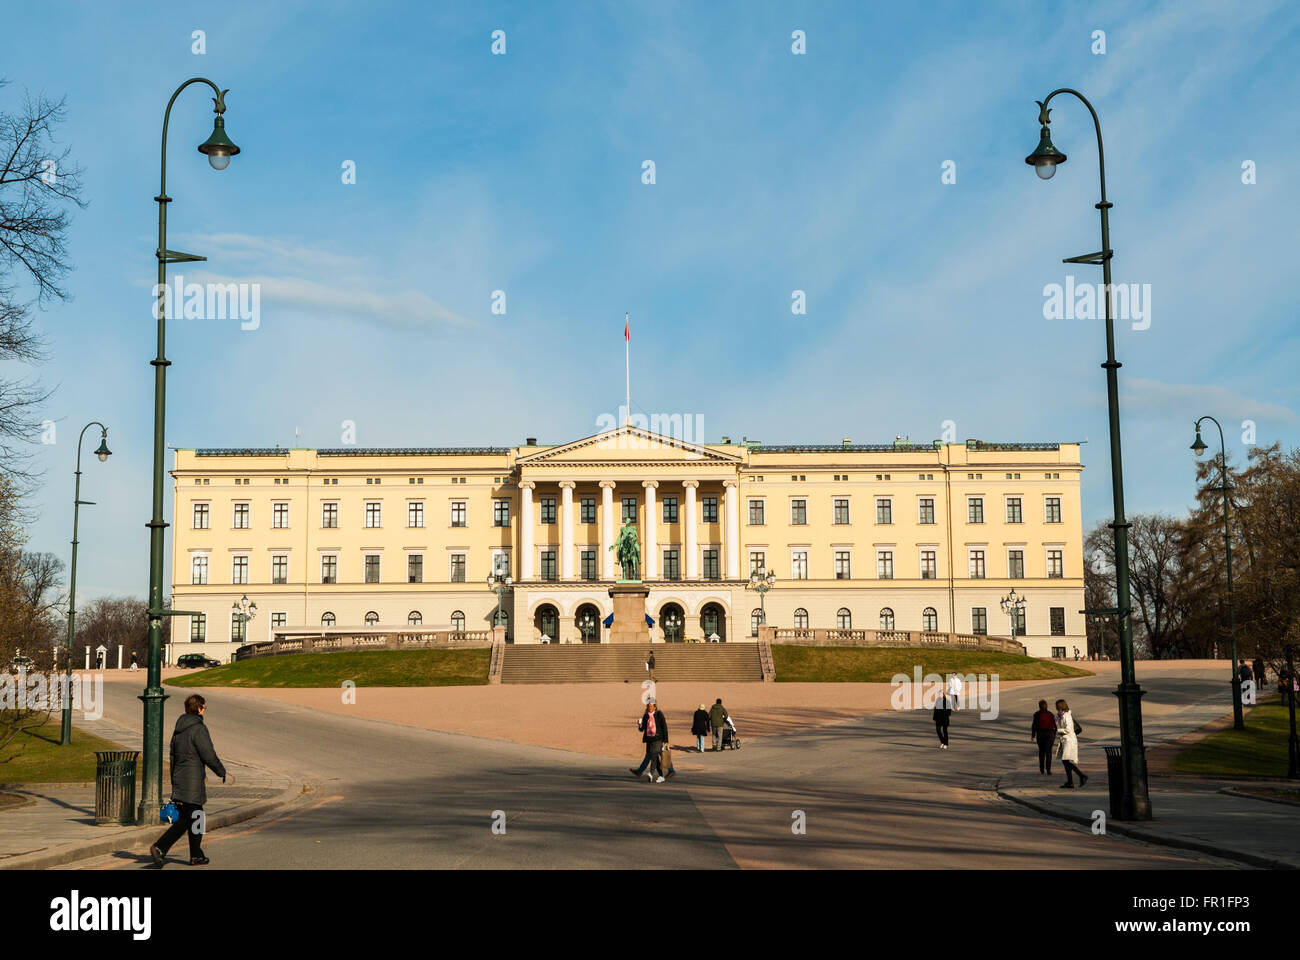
[(372, 618), (458, 621), (327, 619), (755, 621), (843, 619), (929, 620), (886, 619), (801, 619), (414, 619)]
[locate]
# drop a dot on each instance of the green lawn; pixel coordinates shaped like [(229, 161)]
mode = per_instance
[(1257, 751), (368, 668), (43, 761), (799, 664)]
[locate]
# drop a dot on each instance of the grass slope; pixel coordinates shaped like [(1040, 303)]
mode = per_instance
[(1257, 751), (798, 664), (43, 761), (368, 668)]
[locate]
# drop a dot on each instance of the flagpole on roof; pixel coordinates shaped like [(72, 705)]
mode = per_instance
[(627, 361)]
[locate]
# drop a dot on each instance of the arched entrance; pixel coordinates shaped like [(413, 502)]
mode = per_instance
[(672, 620), (713, 619), (547, 623), (587, 620)]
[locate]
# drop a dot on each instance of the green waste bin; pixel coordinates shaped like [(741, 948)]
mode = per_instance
[(1115, 780), (115, 787)]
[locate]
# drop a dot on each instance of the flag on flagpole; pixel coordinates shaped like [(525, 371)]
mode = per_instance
[(627, 328)]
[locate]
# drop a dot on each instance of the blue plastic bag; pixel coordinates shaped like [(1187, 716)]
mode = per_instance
[(169, 812)]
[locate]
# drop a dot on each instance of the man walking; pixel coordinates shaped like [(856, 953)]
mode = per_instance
[(717, 720), (1043, 729), (191, 751), (650, 664), (942, 715)]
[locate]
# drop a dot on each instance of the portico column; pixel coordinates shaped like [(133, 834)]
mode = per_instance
[(650, 563), (526, 529), (731, 540), (607, 529), (688, 531), (566, 529)]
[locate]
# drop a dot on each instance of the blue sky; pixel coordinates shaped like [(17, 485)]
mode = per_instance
[(775, 172)]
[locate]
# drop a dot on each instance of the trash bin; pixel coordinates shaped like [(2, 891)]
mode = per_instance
[(1115, 780), (115, 787)]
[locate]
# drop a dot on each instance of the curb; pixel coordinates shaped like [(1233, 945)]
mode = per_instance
[(140, 838), (1148, 836)]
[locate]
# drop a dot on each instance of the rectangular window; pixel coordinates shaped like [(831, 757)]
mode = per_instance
[(925, 511), (279, 620), (884, 510), (546, 507), (589, 564), (757, 561), (201, 516), (798, 512), (239, 569), (238, 628), (1056, 563), (672, 569), (500, 513), (415, 568), (670, 509), (1016, 564), (415, 514), (1053, 509), (280, 516), (372, 568), (1014, 514), (199, 628), (885, 564), (929, 565), (1019, 618), (977, 564), (1058, 621), (199, 570), (374, 513), (548, 565), (841, 511), (629, 509), (756, 513), (975, 510), (1058, 653), (842, 571), (458, 568), (709, 506), (279, 568), (799, 565), (979, 621), (711, 571), (329, 568), (458, 512), (587, 510), (240, 521), (329, 516)]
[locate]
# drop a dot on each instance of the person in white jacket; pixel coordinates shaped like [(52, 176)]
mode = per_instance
[(1067, 745)]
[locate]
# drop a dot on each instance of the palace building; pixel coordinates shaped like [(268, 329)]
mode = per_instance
[(880, 536)]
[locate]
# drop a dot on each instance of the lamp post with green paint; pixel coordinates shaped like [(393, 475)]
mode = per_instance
[(218, 148), (103, 453), (1045, 159), (1198, 447)]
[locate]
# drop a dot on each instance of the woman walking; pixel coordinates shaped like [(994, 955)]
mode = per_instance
[(654, 734), (191, 752), (1043, 729), (700, 727), (1067, 750), (942, 713)]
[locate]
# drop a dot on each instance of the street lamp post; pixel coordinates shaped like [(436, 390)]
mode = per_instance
[(1136, 801), (761, 581), (103, 453), (1289, 692), (244, 612), (1198, 446), (1013, 606), (500, 583), (218, 149)]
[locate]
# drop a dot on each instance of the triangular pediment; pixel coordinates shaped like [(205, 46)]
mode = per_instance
[(628, 443)]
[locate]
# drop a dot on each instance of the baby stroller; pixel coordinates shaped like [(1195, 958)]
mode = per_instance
[(730, 738)]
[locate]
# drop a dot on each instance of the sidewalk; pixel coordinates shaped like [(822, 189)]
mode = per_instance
[(1191, 814)]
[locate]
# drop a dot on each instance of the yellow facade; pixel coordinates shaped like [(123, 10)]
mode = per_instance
[(931, 535)]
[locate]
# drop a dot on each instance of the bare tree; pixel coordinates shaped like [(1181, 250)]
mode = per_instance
[(38, 184)]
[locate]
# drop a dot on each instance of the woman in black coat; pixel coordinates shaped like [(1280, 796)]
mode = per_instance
[(191, 752), (654, 734), (700, 727)]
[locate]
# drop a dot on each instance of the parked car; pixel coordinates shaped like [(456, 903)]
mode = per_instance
[(191, 660), (21, 663)]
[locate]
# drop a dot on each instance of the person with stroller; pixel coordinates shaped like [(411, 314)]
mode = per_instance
[(654, 734), (717, 720)]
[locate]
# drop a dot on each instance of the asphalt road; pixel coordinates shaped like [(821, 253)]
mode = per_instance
[(873, 793)]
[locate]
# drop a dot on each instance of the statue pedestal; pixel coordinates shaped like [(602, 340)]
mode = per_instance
[(629, 624)]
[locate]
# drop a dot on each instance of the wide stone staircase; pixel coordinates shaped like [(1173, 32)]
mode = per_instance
[(612, 663)]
